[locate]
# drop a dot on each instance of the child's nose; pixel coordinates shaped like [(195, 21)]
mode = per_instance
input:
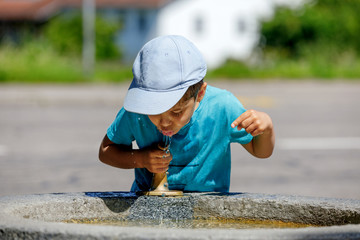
[(165, 121)]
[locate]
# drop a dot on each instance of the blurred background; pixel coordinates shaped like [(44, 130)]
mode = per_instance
[(65, 66)]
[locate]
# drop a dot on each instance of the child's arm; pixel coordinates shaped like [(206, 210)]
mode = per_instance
[(153, 159), (260, 126)]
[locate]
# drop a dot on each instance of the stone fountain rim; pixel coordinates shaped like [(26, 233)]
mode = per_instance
[(17, 224)]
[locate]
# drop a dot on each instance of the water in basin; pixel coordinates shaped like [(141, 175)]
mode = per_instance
[(193, 223)]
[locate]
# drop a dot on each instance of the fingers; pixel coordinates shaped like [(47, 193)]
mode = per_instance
[(159, 168), (244, 120), (254, 129), (239, 120), (252, 121), (158, 161)]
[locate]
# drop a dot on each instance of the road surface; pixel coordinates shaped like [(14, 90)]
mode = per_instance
[(50, 134)]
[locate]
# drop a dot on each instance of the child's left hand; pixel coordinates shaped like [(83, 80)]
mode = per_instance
[(254, 122)]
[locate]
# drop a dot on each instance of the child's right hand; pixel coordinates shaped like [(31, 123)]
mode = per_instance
[(156, 160), (151, 158)]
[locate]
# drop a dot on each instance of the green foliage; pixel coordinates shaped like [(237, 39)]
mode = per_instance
[(105, 41), (65, 34), (36, 61), (288, 69), (56, 55), (323, 25), (112, 71), (319, 40)]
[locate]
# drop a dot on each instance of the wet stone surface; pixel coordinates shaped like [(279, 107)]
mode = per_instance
[(43, 216), (153, 207)]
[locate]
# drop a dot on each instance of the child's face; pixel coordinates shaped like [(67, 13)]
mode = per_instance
[(170, 122)]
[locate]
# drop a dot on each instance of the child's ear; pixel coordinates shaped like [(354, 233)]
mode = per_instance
[(201, 92)]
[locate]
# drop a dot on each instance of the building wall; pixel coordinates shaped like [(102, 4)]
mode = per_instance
[(137, 30), (221, 29)]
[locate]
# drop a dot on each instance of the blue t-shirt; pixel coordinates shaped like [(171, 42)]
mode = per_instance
[(200, 150)]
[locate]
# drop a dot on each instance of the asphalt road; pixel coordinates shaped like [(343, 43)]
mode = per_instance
[(50, 134)]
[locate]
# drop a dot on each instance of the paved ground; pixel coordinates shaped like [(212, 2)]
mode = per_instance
[(49, 138)]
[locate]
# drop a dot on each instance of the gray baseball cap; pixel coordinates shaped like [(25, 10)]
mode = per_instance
[(163, 70)]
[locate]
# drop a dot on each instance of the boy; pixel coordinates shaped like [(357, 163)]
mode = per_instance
[(168, 97)]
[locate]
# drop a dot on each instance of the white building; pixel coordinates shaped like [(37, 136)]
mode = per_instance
[(221, 29)]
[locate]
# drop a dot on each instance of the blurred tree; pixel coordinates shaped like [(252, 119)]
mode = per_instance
[(65, 33), (323, 25)]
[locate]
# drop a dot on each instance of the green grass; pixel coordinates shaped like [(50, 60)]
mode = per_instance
[(310, 68), (112, 71), (38, 63)]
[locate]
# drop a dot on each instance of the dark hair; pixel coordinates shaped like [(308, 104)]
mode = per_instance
[(192, 91)]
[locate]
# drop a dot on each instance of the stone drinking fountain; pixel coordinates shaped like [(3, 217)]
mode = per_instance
[(58, 216), (161, 213)]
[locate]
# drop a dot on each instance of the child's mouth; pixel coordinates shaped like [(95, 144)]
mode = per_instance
[(167, 133)]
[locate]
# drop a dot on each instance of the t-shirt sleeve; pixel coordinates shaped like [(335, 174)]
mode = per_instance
[(120, 131), (234, 110)]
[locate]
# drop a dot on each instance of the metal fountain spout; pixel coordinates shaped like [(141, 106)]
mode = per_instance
[(159, 185)]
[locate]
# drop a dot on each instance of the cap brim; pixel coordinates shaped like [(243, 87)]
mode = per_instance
[(151, 103)]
